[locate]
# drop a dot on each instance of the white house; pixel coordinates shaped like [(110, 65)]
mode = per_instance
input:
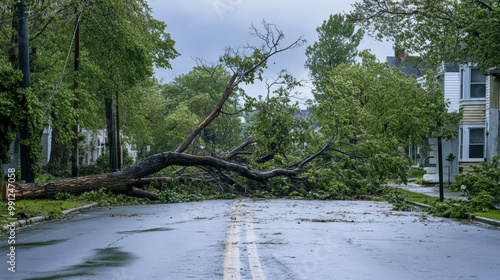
[(448, 76), (476, 96), (93, 147)]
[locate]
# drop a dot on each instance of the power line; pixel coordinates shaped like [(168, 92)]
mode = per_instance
[(17, 19), (64, 68)]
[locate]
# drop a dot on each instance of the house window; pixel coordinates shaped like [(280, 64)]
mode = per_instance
[(472, 143), (477, 84), (476, 143), (461, 143), (472, 84)]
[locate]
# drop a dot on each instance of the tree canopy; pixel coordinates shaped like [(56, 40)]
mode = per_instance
[(337, 43), (450, 30), (120, 44)]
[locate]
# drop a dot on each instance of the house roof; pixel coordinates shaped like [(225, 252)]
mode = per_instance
[(450, 67), (406, 67), (303, 114)]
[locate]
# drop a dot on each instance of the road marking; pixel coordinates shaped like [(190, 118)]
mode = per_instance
[(253, 256), (232, 257)]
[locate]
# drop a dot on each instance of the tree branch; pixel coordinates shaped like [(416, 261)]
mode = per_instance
[(485, 5), (215, 112)]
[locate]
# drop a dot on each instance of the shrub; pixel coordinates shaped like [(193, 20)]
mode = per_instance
[(483, 179), (451, 208), (399, 202), (420, 181)]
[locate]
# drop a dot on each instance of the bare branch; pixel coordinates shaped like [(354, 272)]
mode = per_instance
[(273, 48), (239, 149)]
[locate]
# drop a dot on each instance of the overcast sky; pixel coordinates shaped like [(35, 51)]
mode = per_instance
[(204, 28)]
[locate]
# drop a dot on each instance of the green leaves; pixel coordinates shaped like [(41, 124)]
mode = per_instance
[(484, 178), (368, 102), (337, 44), (10, 117), (450, 30), (19, 108)]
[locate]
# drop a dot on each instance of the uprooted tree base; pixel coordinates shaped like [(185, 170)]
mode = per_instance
[(130, 181)]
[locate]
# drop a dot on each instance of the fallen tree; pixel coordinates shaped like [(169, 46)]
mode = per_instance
[(131, 180)]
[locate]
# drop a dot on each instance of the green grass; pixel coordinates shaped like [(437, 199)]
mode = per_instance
[(426, 199), (417, 197), (25, 209), (416, 173), (491, 214), (46, 178)]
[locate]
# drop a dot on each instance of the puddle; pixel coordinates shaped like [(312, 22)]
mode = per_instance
[(41, 243), (101, 259), (144, 230), (36, 244)]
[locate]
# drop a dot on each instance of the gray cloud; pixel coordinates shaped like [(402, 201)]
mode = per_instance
[(204, 28)]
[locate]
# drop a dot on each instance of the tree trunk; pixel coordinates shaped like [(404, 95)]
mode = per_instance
[(110, 121), (114, 183), (125, 181)]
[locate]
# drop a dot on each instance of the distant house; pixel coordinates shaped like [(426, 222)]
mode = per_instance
[(95, 144), (15, 149), (302, 114), (408, 68), (91, 148), (479, 104)]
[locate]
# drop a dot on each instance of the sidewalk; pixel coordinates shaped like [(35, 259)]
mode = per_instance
[(430, 190), (434, 191)]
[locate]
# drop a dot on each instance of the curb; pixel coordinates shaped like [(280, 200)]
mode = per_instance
[(39, 219), (476, 218)]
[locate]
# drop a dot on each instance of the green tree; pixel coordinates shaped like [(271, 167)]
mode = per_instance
[(373, 110), (450, 30), (189, 98), (120, 44), (337, 43), (279, 135)]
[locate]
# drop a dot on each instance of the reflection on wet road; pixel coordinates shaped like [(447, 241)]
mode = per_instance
[(263, 239)]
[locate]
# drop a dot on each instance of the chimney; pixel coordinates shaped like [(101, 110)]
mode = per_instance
[(400, 54)]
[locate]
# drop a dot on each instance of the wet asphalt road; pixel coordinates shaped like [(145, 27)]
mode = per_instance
[(263, 239)]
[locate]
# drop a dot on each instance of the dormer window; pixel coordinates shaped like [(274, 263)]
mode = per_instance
[(477, 84), (472, 83)]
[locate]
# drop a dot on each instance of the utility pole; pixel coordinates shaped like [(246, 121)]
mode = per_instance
[(24, 66), (110, 119), (74, 152), (440, 168)]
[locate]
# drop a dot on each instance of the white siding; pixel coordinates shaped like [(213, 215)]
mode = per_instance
[(452, 90), (488, 97)]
